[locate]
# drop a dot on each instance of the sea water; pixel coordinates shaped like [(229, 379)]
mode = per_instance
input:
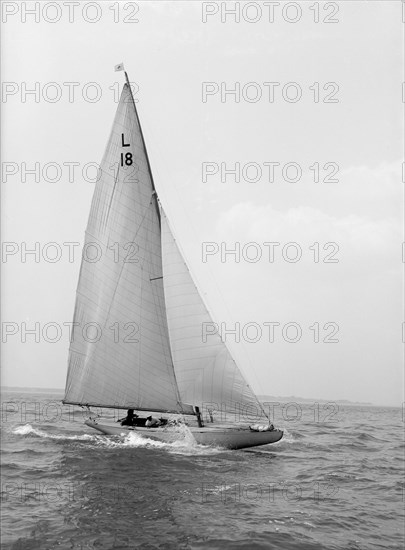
[(335, 481)]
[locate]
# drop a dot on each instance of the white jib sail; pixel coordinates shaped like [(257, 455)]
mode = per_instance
[(120, 353), (206, 373)]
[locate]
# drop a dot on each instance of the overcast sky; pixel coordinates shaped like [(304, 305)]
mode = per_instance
[(344, 108)]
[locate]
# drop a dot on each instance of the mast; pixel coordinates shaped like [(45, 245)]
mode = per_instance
[(144, 148), (157, 206)]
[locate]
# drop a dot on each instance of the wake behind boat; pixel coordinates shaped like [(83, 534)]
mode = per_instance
[(137, 330)]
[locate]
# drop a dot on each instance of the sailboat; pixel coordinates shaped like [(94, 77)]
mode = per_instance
[(136, 340)]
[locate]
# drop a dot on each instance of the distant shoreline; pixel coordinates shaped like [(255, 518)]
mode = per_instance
[(262, 398), (303, 400)]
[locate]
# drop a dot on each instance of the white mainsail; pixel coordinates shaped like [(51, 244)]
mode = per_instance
[(206, 373), (120, 353)]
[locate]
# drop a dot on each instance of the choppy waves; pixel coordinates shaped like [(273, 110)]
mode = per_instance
[(323, 486), (186, 445)]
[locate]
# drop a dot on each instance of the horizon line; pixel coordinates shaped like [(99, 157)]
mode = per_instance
[(369, 403)]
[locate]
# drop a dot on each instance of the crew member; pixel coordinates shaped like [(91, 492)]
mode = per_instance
[(129, 420), (151, 422)]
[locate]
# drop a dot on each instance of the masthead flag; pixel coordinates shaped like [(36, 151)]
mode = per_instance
[(119, 67)]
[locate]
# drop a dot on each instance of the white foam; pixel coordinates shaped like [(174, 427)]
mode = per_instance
[(218, 489), (287, 437), (27, 429), (185, 445)]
